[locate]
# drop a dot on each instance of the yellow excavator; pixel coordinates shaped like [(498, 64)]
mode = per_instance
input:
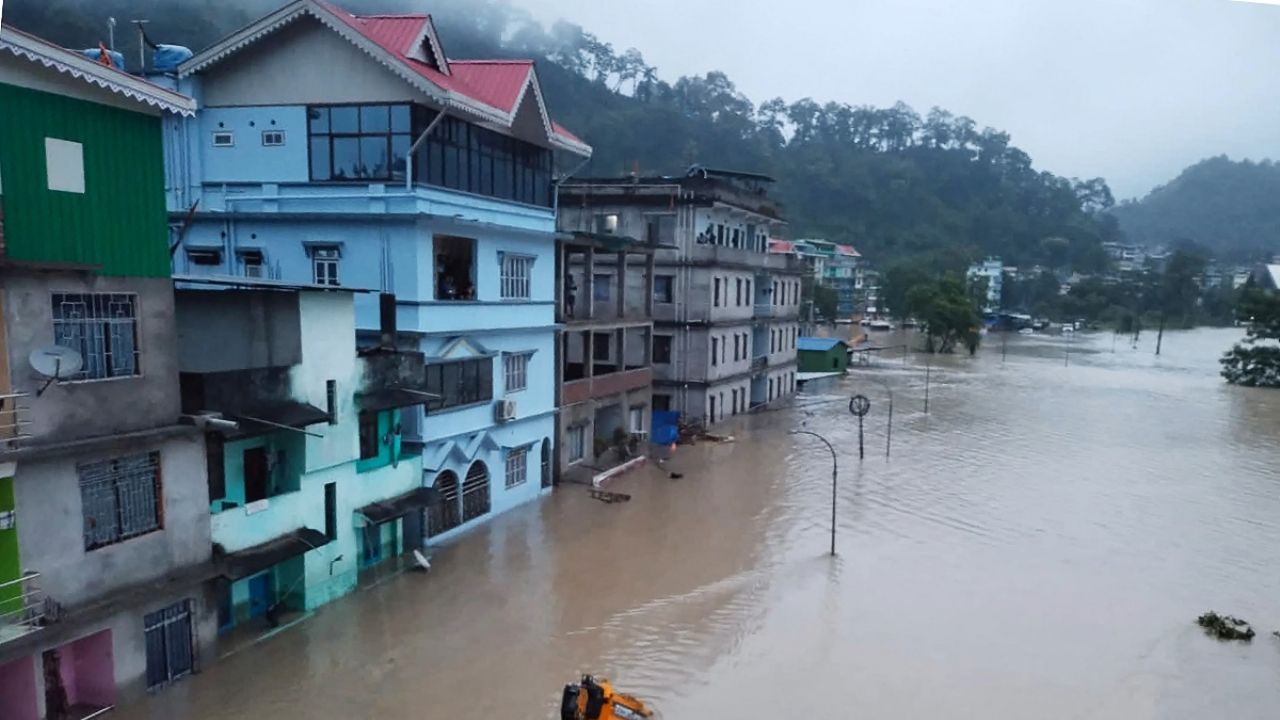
[(594, 699)]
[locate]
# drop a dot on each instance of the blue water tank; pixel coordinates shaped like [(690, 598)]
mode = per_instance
[(169, 57)]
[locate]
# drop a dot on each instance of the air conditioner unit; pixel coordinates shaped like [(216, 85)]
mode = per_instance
[(505, 410)]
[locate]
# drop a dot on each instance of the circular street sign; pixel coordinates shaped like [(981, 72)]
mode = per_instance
[(859, 405)]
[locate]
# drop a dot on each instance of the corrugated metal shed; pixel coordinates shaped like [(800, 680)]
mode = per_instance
[(817, 344), (119, 222)]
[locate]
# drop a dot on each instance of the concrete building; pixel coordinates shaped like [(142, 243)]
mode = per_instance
[(606, 307), (725, 311), (990, 271), (352, 152), (313, 484), (104, 536), (831, 265)]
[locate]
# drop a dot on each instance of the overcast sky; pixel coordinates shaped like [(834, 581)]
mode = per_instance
[(1132, 90)]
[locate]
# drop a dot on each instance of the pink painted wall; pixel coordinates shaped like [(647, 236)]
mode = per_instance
[(88, 670), (18, 689)]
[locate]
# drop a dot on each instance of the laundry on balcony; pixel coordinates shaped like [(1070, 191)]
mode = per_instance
[(255, 559), (392, 508)]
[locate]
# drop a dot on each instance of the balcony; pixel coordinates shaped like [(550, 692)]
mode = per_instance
[(765, 310), (264, 520), (22, 607), (606, 385), (759, 363), (15, 420)]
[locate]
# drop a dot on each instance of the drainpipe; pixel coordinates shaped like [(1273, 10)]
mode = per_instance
[(408, 158)]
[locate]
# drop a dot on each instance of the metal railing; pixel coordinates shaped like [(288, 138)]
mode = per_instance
[(15, 420), (22, 607)]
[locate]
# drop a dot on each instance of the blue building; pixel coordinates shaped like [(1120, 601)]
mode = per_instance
[(336, 150)]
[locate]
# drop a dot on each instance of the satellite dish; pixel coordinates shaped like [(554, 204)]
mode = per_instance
[(423, 562), (55, 362)]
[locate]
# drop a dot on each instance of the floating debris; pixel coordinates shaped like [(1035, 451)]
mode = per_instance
[(609, 497), (1225, 627)]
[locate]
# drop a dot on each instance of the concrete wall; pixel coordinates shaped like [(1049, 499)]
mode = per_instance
[(726, 366), (247, 159), (222, 331), (51, 533), (125, 633), (304, 62), (71, 410)]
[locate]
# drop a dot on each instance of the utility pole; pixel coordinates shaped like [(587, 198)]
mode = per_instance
[(1160, 332), (142, 45), (928, 363), (111, 33)]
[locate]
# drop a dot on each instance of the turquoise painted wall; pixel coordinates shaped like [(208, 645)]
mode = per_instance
[(284, 478), (387, 419)]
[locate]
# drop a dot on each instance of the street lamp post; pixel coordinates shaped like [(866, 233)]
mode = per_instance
[(835, 471), (888, 436)]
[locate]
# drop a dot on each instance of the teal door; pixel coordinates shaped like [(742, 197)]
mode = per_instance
[(259, 595)]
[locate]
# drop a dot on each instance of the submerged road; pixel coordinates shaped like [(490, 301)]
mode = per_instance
[(1037, 547)]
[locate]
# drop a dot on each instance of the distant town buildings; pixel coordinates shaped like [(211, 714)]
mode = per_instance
[(832, 265), (991, 271), (725, 310)]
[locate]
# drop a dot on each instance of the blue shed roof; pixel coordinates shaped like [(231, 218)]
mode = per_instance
[(818, 344)]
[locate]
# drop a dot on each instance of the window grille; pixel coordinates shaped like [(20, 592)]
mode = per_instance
[(103, 328)]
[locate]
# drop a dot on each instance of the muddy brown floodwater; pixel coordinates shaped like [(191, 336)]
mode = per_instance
[(1038, 546)]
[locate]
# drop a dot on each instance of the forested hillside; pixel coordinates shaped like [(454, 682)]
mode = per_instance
[(1232, 208), (930, 189)]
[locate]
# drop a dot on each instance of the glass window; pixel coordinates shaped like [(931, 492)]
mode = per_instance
[(577, 442), (515, 369), (517, 466), (344, 119), (103, 328), (460, 382), (346, 158), (359, 142), (119, 498), (375, 119), (600, 287), (369, 441), (662, 287), (318, 120), (662, 349), (515, 276)]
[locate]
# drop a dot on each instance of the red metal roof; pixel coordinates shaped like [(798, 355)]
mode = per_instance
[(781, 246), (495, 83), (848, 250)]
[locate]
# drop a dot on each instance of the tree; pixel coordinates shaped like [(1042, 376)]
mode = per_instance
[(947, 312), (1255, 361), (899, 278)]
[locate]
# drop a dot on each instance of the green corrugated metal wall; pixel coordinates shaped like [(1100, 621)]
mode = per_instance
[(119, 223)]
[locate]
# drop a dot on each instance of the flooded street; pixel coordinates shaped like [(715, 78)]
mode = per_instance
[(1038, 546)]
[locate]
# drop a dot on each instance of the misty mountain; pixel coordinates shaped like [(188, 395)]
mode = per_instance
[(934, 190), (1232, 208)]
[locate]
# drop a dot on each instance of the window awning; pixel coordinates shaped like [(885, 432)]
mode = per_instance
[(251, 560), (392, 508), (268, 418), (390, 398)]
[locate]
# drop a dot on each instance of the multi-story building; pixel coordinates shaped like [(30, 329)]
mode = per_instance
[(832, 265), (991, 271), (725, 311), (104, 527), (309, 481), (606, 308), (350, 151)]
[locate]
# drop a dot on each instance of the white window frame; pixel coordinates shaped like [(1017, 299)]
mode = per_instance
[(224, 138), (515, 371), (576, 439), (517, 464), (516, 275), (634, 413), (324, 265), (279, 142)]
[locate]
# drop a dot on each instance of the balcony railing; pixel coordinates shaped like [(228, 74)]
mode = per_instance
[(15, 420), (22, 607)]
